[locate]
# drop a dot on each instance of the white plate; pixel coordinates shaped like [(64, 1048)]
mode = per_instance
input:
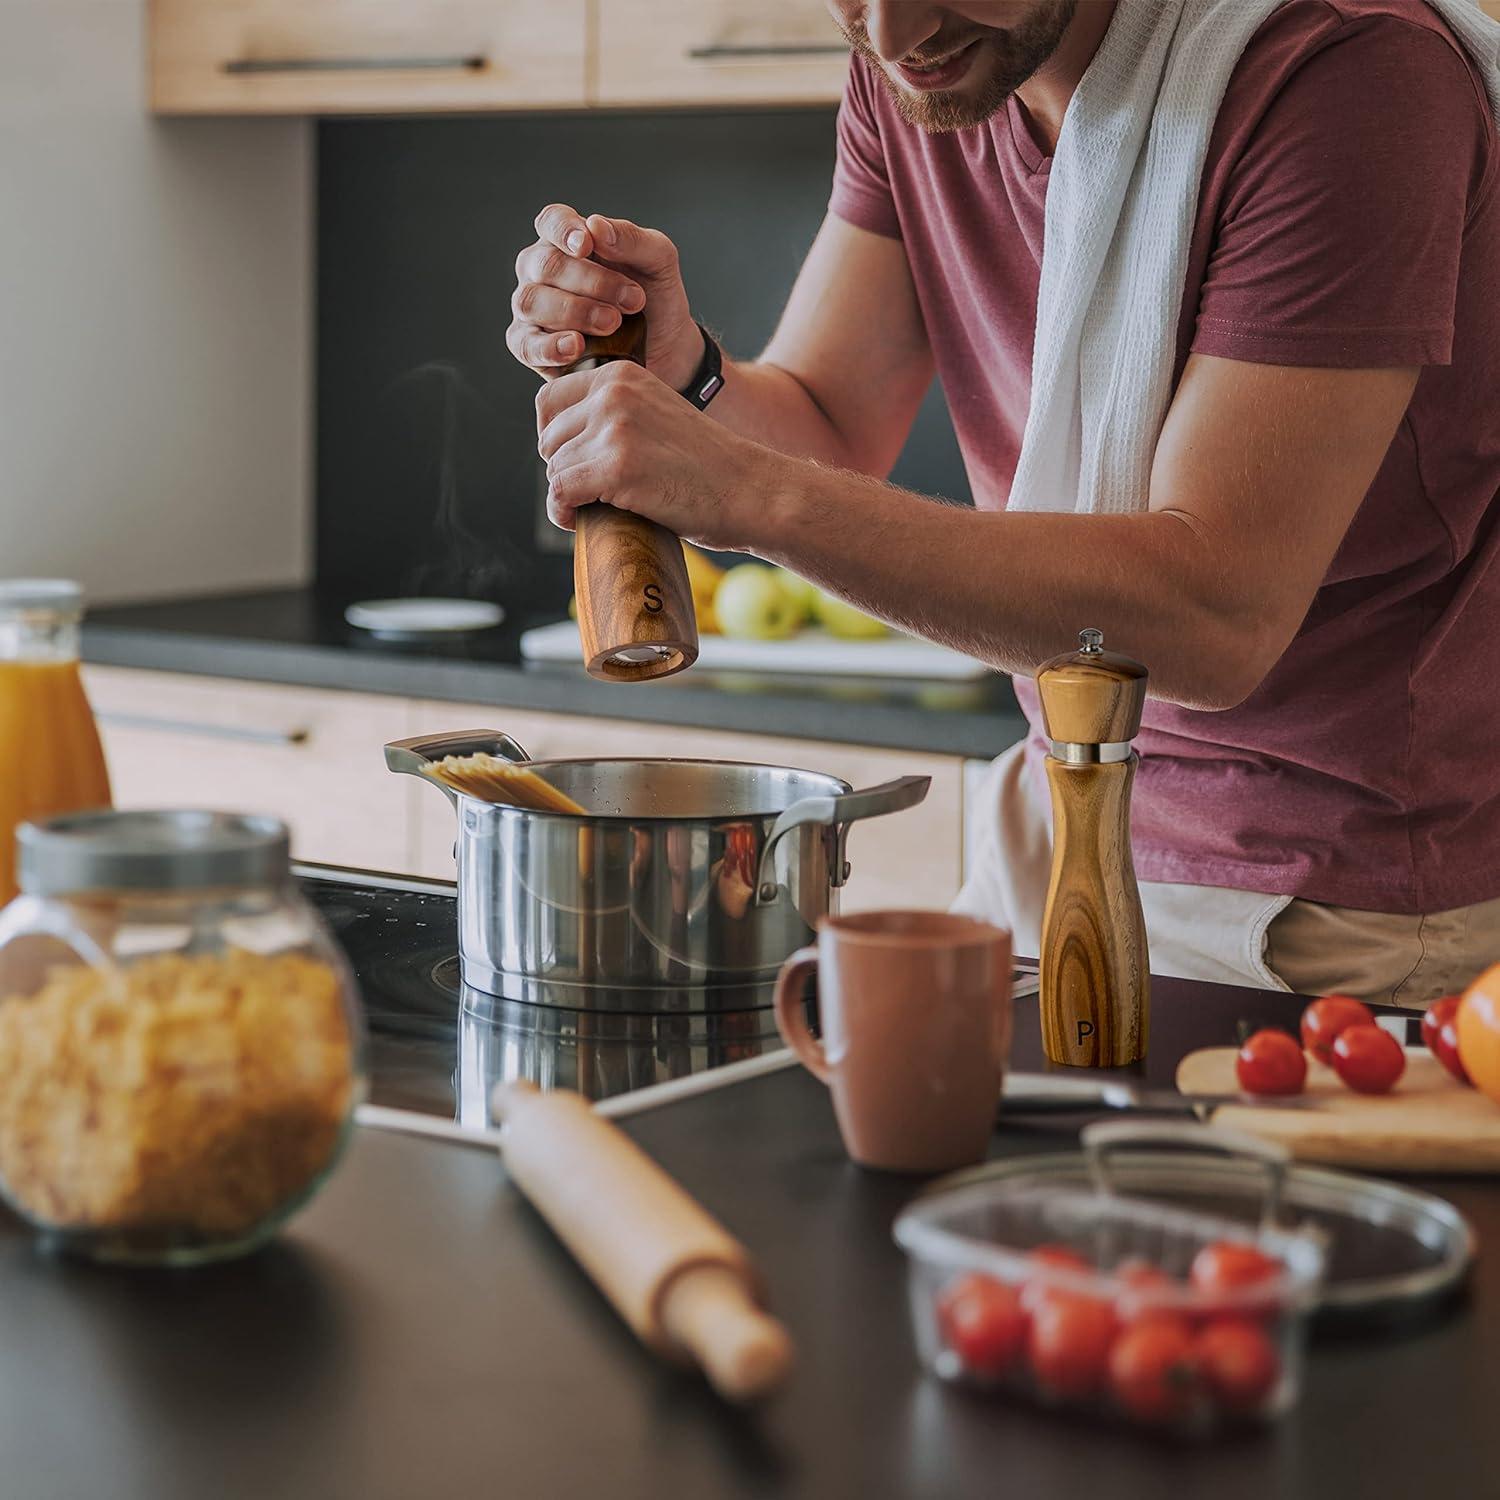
[(810, 651), (423, 616)]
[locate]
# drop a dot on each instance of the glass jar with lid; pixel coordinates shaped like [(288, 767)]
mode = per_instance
[(49, 746), (181, 1041)]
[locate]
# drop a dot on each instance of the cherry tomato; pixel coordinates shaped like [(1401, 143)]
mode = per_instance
[(1324, 1019), (1054, 1257), (1440, 1032), (1069, 1343), (1228, 1265), (1368, 1059), (1238, 1362), (1154, 1369), (1270, 1062), (982, 1322), (1139, 1280)]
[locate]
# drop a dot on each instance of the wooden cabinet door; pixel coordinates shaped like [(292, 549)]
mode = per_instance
[(913, 858), (1492, 6), (304, 755), (680, 52), (337, 56)]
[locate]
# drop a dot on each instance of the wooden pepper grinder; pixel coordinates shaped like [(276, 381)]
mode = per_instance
[(636, 618), (1095, 999)]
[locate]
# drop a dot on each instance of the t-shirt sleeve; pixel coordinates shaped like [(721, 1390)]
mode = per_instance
[(1340, 233), (861, 183)]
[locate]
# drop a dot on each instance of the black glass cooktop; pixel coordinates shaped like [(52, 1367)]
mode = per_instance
[(439, 1047)]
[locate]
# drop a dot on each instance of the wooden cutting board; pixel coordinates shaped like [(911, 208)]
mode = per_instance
[(1427, 1123)]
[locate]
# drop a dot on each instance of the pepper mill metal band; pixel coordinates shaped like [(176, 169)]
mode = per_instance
[(1095, 984), (636, 619)]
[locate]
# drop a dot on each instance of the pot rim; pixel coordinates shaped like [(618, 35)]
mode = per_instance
[(836, 787)]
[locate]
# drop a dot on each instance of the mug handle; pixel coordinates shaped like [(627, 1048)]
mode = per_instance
[(791, 1015)]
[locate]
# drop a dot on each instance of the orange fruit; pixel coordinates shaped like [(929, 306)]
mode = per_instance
[(1479, 1032)]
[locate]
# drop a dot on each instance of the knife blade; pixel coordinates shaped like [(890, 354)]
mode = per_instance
[(1050, 1094)]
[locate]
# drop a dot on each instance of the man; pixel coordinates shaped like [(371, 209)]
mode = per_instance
[(1315, 584)]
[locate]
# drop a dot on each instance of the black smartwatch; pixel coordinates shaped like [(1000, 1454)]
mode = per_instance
[(708, 379)]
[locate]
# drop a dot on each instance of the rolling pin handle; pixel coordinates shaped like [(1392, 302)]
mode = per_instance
[(708, 1311)]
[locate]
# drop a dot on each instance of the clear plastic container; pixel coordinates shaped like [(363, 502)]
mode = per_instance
[(180, 1037), (983, 1312)]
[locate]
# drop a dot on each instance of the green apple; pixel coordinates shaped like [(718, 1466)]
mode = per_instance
[(846, 622), (752, 605), (805, 593)]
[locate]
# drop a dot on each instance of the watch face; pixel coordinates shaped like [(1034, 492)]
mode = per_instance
[(709, 389)]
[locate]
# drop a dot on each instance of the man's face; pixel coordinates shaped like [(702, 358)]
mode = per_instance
[(952, 66)]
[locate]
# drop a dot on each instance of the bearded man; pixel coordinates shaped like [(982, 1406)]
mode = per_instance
[(1213, 291)]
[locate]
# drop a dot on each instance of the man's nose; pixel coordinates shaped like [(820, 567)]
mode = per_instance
[(897, 27)]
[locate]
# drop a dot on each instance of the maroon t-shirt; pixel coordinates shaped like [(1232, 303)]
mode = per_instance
[(1349, 217)]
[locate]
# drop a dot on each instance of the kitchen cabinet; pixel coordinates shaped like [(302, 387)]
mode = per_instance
[(365, 56), (913, 858), (309, 757), (685, 52), (1492, 6)]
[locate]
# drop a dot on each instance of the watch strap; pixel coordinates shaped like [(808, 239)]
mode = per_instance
[(708, 379)]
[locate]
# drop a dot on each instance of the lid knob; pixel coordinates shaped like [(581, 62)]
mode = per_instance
[(1092, 696)]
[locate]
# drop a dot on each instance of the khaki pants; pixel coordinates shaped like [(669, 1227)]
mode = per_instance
[(1316, 949), (1237, 937)]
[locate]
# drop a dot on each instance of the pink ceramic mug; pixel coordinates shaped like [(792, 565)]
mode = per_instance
[(916, 1021)]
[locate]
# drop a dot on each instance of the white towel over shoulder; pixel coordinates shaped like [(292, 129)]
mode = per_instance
[(1121, 202)]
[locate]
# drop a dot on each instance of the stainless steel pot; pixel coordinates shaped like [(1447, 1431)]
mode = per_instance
[(684, 889)]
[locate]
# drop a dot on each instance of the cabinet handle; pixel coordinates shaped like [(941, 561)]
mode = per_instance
[(742, 52), (208, 731), (471, 62)]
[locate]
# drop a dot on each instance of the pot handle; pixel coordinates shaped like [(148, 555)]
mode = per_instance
[(412, 757), (837, 813)]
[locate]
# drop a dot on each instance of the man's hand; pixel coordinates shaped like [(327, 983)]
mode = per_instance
[(619, 434), (581, 275)]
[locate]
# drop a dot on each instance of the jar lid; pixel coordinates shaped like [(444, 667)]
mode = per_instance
[(150, 851), (59, 596)]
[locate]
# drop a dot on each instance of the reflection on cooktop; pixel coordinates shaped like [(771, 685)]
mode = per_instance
[(439, 1048)]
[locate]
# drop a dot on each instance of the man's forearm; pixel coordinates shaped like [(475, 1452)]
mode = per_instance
[(770, 405), (1015, 588)]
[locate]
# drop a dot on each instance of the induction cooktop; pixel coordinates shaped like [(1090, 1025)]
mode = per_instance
[(438, 1047)]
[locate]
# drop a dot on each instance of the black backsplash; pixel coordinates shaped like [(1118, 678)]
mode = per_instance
[(427, 478)]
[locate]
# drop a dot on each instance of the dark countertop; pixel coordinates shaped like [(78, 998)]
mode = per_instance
[(419, 1332), (299, 636)]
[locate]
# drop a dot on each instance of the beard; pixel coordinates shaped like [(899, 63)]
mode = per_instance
[(1011, 55)]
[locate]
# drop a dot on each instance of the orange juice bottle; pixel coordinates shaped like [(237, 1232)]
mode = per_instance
[(50, 757)]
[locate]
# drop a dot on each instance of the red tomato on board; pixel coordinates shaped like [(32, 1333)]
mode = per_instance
[(1238, 1362), (1440, 1032), (1368, 1059), (1154, 1369), (1270, 1062), (1069, 1343), (983, 1323), (1324, 1019)]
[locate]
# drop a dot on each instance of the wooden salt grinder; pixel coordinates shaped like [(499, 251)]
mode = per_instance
[(636, 618), (1095, 998)]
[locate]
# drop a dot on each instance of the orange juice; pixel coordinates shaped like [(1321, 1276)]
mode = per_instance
[(50, 758)]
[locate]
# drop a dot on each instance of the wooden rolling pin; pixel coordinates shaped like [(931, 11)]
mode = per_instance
[(674, 1274), (636, 618)]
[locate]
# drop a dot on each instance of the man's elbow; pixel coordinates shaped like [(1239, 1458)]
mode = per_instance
[(1228, 664)]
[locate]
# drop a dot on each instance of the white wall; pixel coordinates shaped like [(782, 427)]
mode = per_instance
[(155, 281)]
